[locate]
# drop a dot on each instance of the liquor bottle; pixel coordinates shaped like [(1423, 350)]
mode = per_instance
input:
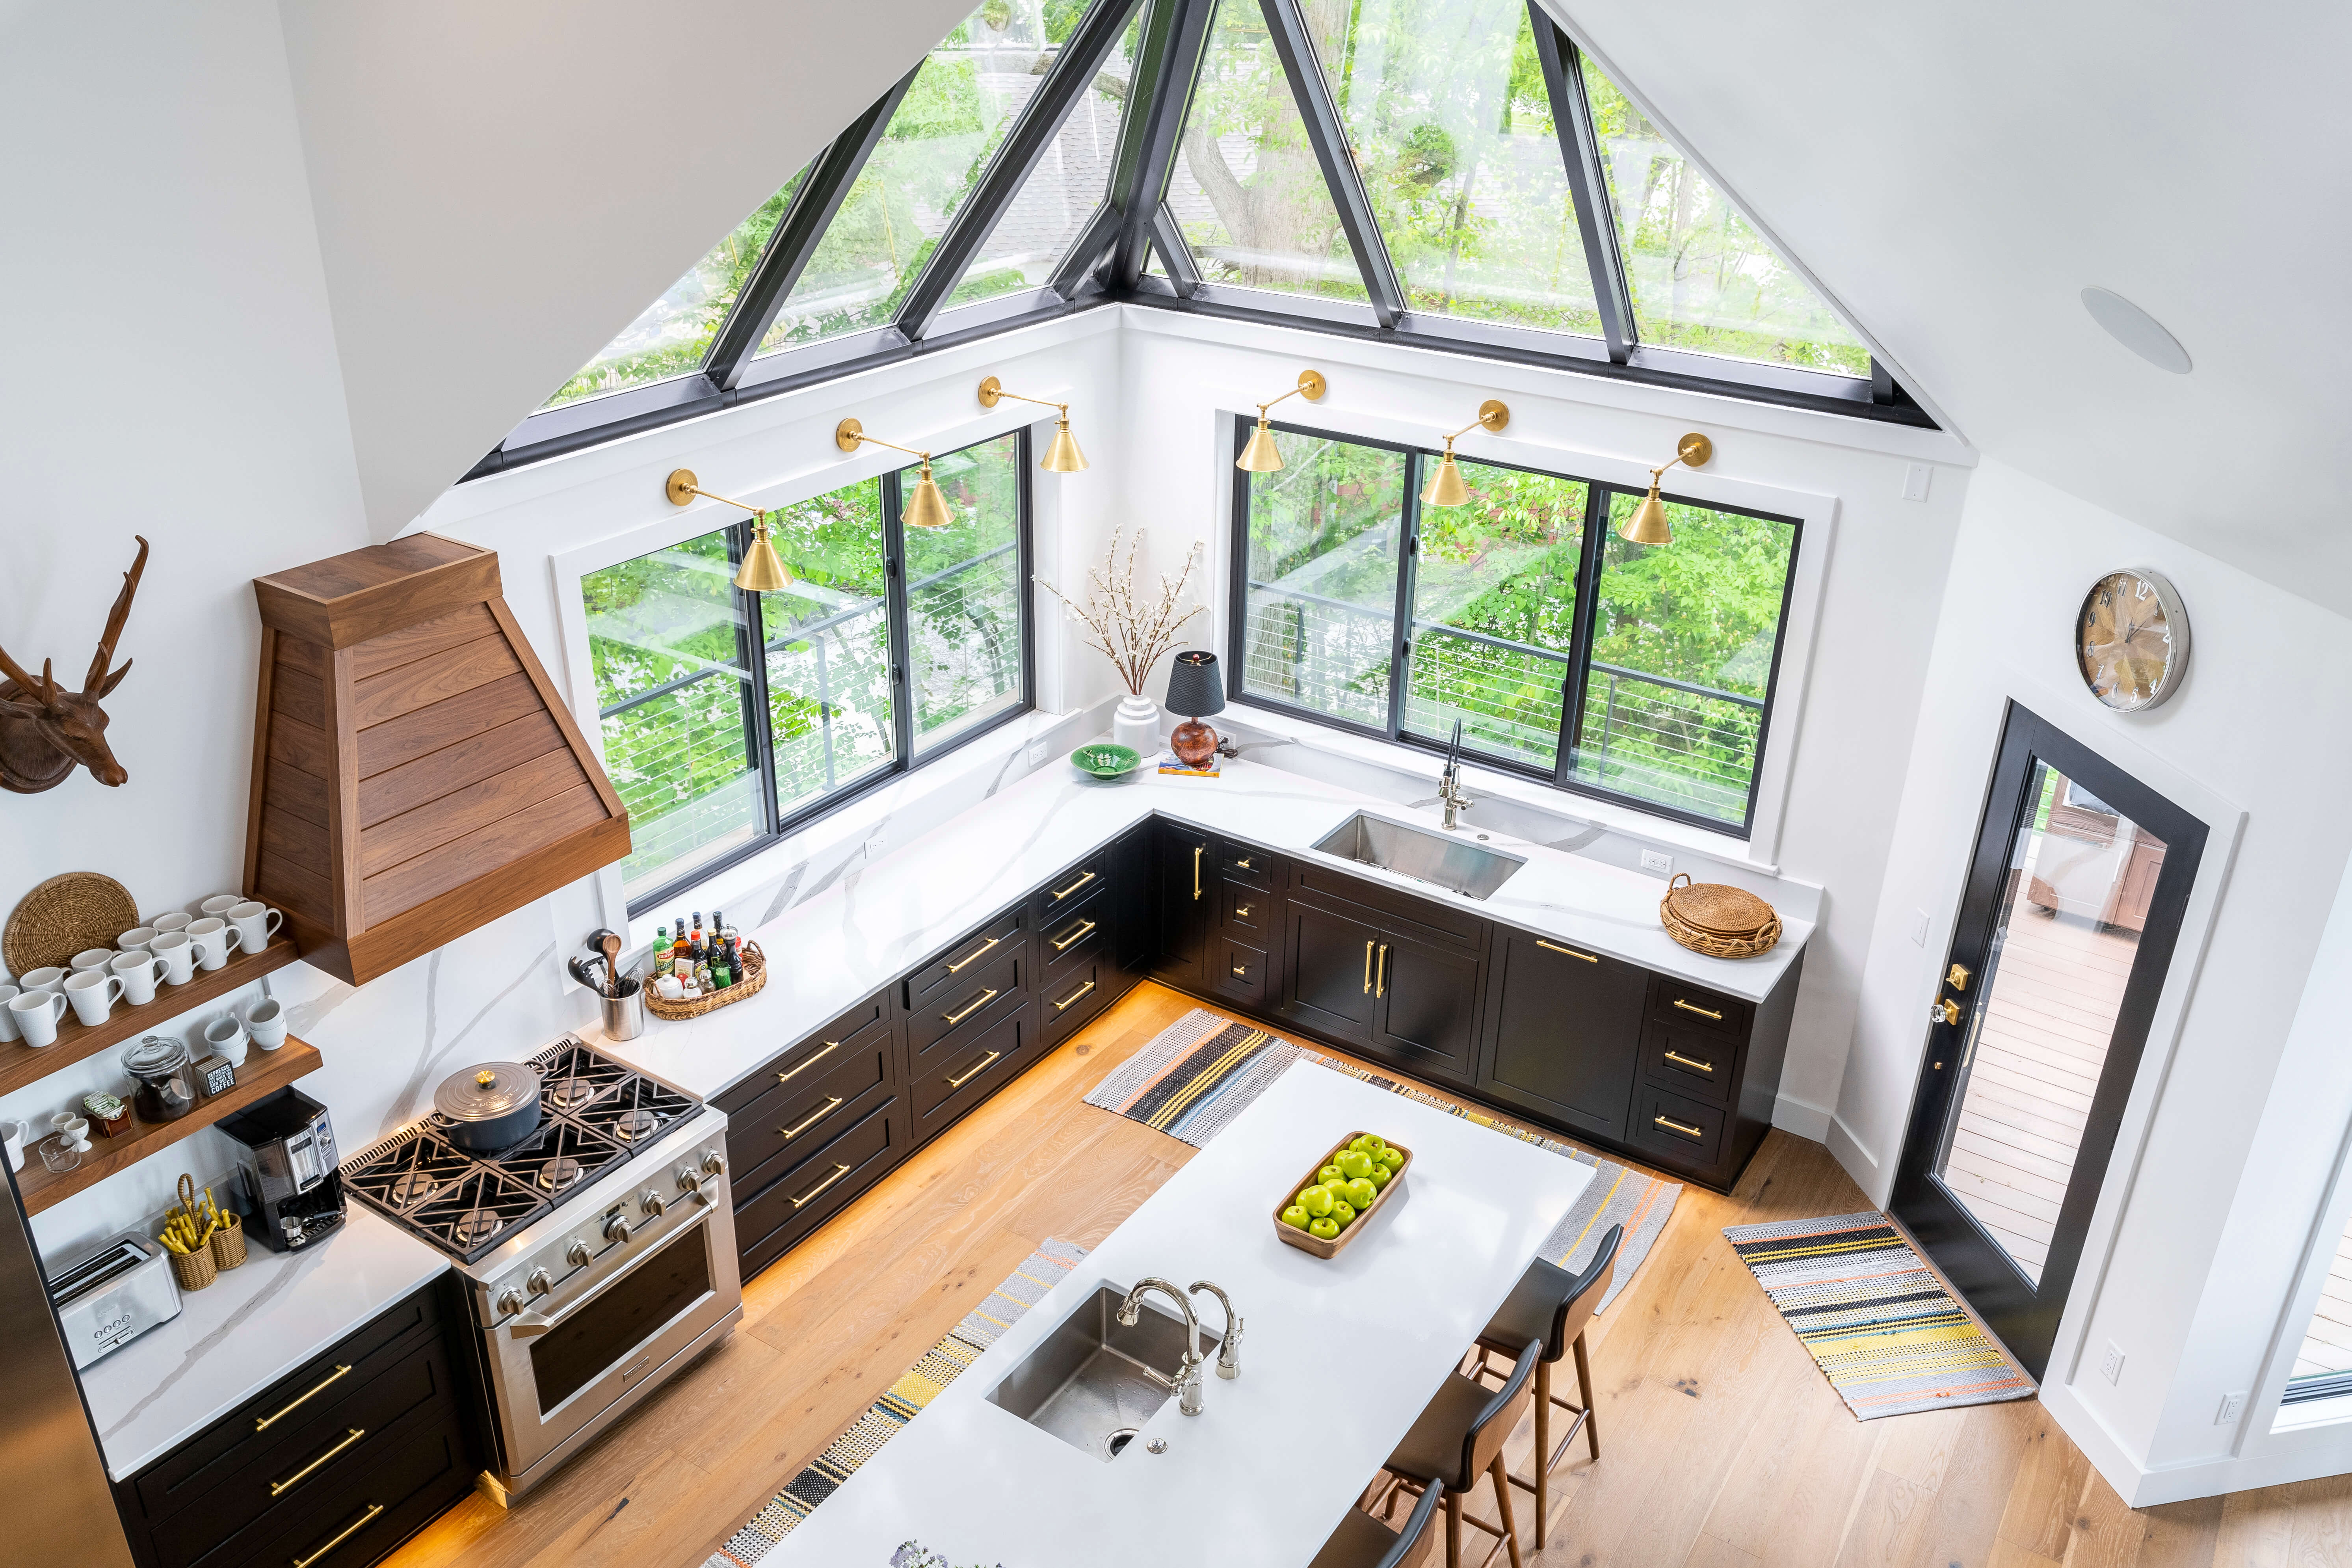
[(722, 974), (678, 947), (735, 959), (661, 952), (698, 954)]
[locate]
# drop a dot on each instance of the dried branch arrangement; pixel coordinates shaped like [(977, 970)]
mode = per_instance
[(1128, 630)]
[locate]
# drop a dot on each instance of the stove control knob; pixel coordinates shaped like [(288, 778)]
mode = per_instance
[(510, 1301), (653, 1203), (618, 1228), (577, 1254), (541, 1282), (689, 1179), (714, 1162)]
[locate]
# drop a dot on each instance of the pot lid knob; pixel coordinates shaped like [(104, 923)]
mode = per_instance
[(485, 1078)]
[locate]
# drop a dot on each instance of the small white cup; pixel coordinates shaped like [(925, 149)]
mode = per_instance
[(36, 1015), (73, 1132), (266, 1022), (12, 1141), (93, 994), (137, 969), (177, 953), (42, 979), (254, 923), (219, 904), (92, 958), (175, 920), (225, 1038), (136, 939), (9, 1020), (214, 940)]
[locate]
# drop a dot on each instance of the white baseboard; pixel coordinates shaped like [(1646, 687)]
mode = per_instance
[(1858, 1161), (1805, 1119)]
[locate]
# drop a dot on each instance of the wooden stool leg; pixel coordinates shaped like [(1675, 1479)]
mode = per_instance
[(1584, 1386), (1503, 1505), (1453, 1528), (1543, 1448)]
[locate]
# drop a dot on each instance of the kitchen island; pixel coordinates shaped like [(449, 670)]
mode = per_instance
[(1338, 1359)]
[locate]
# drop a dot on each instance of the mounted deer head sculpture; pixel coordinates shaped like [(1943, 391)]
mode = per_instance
[(46, 729)]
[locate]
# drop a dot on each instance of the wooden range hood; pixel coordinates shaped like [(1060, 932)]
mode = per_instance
[(414, 773)]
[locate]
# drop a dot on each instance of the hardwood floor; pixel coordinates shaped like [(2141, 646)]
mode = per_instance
[(1722, 1446)]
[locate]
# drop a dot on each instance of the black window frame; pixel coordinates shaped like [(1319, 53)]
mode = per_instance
[(1577, 676), (753, 644)]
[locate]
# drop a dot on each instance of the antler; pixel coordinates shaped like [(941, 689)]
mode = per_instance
[(26, 684), (98, 682)]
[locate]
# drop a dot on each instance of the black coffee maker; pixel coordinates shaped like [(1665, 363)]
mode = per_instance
[(292, 1193)]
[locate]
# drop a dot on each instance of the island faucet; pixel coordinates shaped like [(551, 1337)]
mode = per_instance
[(1186, 1384), (1449, 782), (1229, 1348)]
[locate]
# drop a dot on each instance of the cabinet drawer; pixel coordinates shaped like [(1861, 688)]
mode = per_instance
[(1420, 917), (788, 1156), (979, 995), (821, 1185), (809, 1109), (1076, 993), (1696, 1007), (1689, 1061), (1066, 936), (1246, 912), (956, 1081), (1065, 891), (312, 1394), (955, 966), (1681, 1128), (813, 1055), (1246, 863), (1241, 972)]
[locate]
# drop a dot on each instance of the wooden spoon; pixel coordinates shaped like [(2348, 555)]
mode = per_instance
[(611, 945)]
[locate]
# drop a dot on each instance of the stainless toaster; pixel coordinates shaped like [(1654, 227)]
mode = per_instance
[(113, 1296)]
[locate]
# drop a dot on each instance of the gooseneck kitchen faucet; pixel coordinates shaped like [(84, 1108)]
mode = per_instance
[(1186, 1384)]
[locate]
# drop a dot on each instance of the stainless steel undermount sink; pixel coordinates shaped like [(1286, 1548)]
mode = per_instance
[(1442, 859), (1085, 1381)]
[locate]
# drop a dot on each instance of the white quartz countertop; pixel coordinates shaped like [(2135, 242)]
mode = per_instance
[(1338, 1358), (831, 952), (250, 1327)]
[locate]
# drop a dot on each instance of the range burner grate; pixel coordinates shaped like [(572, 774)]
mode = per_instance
[(475, 1210)]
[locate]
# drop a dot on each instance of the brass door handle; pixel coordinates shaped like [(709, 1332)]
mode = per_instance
[(791, 1073), (1368, 968), (265, 1423), (1572, 953), (974, 956), (348, 1531), (1061, 893), (1944, 1012), (831, 1105), (1381, 983), (1072, 1000), (1680, 1059), (1678, 1127), (1077, 933), (974, 1005), (975, 1073), (810, 1196), (1700, 1011), (1197, 850), (280, 1489)]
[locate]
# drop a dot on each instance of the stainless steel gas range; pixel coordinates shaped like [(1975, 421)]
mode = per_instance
[(600, 1250)]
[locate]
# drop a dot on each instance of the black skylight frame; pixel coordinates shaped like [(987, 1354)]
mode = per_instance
[(1107, 262)]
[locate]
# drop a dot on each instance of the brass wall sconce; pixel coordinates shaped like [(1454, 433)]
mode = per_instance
[(1445, 487), (927, 508), (1648, 524), (764, 571), (1262, 456), (1062, 457)]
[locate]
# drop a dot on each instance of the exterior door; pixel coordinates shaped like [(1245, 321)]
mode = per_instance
[(2074, 894)]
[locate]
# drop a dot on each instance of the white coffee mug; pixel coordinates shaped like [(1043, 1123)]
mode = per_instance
[(93, 994), (266, 1022), (175, 920), (225, 1038), (36, 1015), (254, 923), (12, 1141), (214, 940), (42, 979), (177, 953), (92, 958), (138, 971), (219, 904), (9, 1020), (135, 938)]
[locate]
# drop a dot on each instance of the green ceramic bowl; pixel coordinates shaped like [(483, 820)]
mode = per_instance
[(1105, 761)]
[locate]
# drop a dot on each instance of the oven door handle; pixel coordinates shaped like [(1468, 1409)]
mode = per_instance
[(530, 1325)]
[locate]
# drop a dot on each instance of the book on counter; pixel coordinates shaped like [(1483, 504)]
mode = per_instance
[(1170, 763)]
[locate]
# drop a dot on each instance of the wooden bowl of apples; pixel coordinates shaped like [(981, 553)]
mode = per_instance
[(1320, 1214)]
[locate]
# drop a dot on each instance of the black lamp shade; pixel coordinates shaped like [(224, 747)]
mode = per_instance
[(1195, 686)]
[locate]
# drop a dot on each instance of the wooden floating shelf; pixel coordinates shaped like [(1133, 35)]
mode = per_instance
[(20, 1064), (264, 1073)]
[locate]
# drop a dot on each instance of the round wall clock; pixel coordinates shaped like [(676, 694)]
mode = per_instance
[(2131, 640)]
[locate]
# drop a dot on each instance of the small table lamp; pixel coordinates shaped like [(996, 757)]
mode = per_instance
[(1195, 689)]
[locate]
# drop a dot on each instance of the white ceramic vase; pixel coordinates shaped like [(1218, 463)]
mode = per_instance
[(1136, 726)]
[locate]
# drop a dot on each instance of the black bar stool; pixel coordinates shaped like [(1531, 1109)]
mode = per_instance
[(1551, 1306), (1458, 1439), (1363, 1541)]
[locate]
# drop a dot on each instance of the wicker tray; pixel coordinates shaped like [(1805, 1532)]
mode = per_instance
[(1717, 921), (755, 975), (1331, 1246), (64, 916)]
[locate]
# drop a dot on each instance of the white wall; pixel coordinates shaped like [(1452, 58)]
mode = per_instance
[(2193, 1251)]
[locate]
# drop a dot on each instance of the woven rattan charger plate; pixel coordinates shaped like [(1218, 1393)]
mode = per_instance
[(64, 916), (1719, 920)]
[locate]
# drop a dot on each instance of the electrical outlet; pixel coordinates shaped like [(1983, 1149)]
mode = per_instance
[(1039, 749), (1915, 482), (2111, 1365), (874, 844), (1919, 928), (1658, 861), (2232, 1407)]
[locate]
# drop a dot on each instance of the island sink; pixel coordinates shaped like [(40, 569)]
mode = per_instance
[(1091, 1382), (1437, 858)]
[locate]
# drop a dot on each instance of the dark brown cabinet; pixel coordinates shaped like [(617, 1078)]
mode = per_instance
[(1404, 990), (1185, 879), (1425, 1005), (1327, 982), (1566, 1033)]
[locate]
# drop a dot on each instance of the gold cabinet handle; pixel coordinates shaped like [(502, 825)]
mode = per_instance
[(1077, 933), (1700, 1011), (1368, 968), (974, 1005), (1678, 1127), (1061, 893), (830, 1106), (974, 956), (267, 1422), (1380, 981), (1241, 970), (1243, 865), (975, 1073), (1241, 912), (1197, 850), (1570, 950), (348, 1531), (1681, 1061), (1072, 1000), (280, 1489), (810, 1196), (791, 1073)]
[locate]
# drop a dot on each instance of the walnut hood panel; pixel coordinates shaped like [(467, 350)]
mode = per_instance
[(414, 773)]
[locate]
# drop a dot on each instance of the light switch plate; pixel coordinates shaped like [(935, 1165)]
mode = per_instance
[(1919, 928), (2111, 1365), (1915, 482), (1658, 861)]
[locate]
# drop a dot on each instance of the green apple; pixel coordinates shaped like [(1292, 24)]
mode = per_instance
[(1364, 1143), (1362, 1192), (1330, 1174), (1353, 1163), (1382, 1175), (1316, 1201), (1343, 1211), (1296, 1216), (1393, 1158), (1323, 1229)]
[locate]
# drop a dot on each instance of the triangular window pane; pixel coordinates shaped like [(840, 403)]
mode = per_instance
[(670, 336), (1246, 189), (1071, 180), (963, 99), (1447, 111), (1702, 277)]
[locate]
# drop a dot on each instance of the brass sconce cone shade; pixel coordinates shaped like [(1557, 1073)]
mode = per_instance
[(927, 508), (1261, 456), (764, 571), (1446, 487), (1648, 524), (1062, 457)]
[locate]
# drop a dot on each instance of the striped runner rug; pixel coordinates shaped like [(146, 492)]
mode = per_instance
[(1876, 1318), (918, 1387)]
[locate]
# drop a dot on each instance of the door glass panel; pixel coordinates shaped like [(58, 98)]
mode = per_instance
[(2065, 932), (1318, 611)]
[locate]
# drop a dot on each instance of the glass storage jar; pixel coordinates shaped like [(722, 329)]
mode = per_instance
[(165, 1090)]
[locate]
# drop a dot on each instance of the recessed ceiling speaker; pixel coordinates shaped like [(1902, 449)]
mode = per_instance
[(2136, 330)]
